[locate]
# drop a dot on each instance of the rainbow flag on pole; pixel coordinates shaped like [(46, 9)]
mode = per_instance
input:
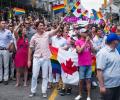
[(106, 29), (76, 5), (56, 67), (58, 8), (95, 14), (19, 11), (78, 9), (99, 14)]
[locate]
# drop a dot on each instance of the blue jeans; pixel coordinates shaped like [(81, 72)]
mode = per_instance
[(85, 72)]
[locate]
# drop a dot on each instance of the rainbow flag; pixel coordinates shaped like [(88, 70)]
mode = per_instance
[(19, 11), (76, 5), (78, 9), (93, 64), (95, 14), (85, 13), (67, 6), (99, 14), (106, 29), (58, 8), (91, 16), (56, 67)]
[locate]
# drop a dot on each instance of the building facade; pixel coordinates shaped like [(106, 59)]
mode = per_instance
[(112, 10)]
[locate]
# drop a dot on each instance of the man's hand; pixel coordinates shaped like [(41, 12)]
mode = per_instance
[(37, 20), (62, 20), (29, 63), (102, 90), (87, 38)]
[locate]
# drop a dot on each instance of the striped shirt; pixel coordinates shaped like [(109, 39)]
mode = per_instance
[(40, 43)]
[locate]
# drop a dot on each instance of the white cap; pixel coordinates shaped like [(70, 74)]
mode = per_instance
[(83, 23), (83, 30)]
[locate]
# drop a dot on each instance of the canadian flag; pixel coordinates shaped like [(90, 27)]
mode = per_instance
[(78, 9), (68, 62), (69, 65)]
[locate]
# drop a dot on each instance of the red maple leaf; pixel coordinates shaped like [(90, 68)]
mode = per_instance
[(69, 68)]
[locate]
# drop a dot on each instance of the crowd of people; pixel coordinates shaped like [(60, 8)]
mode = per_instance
[(24, 45)]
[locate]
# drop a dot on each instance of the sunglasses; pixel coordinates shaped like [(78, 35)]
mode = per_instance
[(27, 23)]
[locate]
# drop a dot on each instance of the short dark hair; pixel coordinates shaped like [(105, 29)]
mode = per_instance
[(37, 23)]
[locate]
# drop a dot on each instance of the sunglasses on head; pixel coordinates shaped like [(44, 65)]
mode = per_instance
[(76, 28)]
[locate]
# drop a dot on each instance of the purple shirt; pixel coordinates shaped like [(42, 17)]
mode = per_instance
[(85, 57)]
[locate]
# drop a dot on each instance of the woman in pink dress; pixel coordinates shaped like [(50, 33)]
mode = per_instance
[(21, 56)]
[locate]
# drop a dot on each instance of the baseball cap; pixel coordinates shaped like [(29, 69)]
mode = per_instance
[(83, 30), (111, 37)]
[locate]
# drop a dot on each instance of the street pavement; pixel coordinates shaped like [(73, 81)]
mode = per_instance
[(10, 92)]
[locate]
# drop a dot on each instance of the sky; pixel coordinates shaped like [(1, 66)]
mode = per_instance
[(92, 4)]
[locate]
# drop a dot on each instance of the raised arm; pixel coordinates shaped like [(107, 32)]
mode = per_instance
[(53, 32), (45, 21), (17, 27)]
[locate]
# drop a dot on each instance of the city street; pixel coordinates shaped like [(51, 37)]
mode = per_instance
[(71, 48), (10, 92)]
